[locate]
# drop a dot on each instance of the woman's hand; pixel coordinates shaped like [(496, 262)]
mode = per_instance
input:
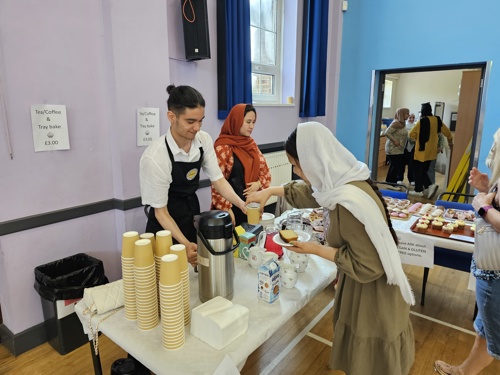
[(324, 251), (252, 187), (478, 180), (260, 197), (483, 199)]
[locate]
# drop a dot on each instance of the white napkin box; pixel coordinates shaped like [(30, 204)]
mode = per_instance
[(219, 322)]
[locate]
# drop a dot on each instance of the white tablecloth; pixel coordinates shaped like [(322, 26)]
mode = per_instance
[(196, 357)]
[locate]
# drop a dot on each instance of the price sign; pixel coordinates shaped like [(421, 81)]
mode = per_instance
[(148, 125), (50, 127)]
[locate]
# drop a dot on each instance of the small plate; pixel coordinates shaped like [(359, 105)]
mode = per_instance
[(303, 236)]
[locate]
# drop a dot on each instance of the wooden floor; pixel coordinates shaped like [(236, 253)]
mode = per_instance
[(443, 330)]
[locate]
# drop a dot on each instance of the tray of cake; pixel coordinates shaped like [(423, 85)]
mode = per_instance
[(467, 215), (398, 208), (440, 227)]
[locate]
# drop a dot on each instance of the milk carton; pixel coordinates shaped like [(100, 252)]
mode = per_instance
[(269, 281)]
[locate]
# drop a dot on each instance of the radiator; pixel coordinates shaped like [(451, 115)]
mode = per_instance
[(280, 168)]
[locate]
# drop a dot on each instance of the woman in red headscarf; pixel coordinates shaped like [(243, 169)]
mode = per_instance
[(240, 160)]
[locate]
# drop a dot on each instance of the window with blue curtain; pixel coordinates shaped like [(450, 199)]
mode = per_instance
[(234, 68), (314, 51)]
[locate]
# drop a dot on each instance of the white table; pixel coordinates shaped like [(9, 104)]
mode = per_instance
[(197, 357)]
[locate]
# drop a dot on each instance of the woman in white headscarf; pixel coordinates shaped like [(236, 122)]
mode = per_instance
[(372, 329)]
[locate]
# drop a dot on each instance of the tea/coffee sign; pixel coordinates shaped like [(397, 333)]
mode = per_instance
[(50, 127), (148, 125)]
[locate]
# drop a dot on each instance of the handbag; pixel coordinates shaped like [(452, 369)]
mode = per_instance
[(486, 246), (100, 300), (103, 298), (441, 163)]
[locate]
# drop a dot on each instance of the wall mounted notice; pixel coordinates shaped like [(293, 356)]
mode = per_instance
[(148, 125), (416, 250), (50, 127)]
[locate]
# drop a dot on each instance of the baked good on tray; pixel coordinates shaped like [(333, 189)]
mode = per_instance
[(421, 227), (448, 229), (436, 224), (288, 235)]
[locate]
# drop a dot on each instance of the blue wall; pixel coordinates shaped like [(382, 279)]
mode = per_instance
[(390, 34)]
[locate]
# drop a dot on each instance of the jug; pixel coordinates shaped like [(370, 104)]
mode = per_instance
[(215, 254)]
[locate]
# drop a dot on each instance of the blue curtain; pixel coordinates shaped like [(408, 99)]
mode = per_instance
[(314, 49), (234, 67)]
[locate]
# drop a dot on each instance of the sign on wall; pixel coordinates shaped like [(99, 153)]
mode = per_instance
[(50, 127), (148, 125)]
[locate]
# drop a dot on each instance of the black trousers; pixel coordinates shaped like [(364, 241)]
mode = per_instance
[(422, 180), (396, 168)]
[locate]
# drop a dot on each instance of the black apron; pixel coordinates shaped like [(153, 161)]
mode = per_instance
[(237, 180), (183, 202)]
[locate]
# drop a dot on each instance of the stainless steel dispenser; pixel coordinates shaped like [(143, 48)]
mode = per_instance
[(215, 254)]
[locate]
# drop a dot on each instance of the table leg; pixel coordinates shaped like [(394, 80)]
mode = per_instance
[(424, 283), (96, 360)]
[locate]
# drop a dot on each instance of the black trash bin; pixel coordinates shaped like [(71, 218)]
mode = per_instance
[(60, 285)]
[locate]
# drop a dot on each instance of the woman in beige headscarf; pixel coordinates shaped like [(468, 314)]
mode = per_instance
[(395, 145)]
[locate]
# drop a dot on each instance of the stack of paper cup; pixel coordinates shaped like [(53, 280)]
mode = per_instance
[(180, 251), (128, 245), (163, 243), (151, 237), (145, 285), (172, 311)]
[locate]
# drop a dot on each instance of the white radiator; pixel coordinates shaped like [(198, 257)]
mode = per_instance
[(280, 168)]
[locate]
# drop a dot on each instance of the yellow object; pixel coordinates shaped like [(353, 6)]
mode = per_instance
[(239, 231), (458, 183)]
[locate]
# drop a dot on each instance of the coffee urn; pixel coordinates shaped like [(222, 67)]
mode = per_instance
[(215, 254)]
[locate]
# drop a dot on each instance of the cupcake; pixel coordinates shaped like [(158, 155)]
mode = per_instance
[(421, 227), (455, 226), (436, 224), (473, 228), (448, 229), (423, 221), (439, 218), (460, 224)]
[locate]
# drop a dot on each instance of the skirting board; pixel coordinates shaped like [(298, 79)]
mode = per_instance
[(24, 341)]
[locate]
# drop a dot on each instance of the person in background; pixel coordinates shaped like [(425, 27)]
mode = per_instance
[(425, 133), (372, 286), (395, 145), (492, 152), (240, 160), (170, 170), (486, 346), (409, 152)]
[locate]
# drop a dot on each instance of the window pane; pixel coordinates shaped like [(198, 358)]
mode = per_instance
[(268, 13), (255, 44), (262, 84), (268, 48), (255, 12), (387, 94)]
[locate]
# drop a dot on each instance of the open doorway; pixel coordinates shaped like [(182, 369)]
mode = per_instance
[(456, 95)]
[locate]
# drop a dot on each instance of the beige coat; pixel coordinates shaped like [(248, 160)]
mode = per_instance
[(372, 329)]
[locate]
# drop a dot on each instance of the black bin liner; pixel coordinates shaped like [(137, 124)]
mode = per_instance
[(68, 277)]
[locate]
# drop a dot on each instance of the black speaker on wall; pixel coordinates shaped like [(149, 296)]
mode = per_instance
[(195, 25)]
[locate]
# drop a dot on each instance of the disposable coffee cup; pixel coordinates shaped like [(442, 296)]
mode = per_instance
[(180, 251), (143, 253), (170, 272), (128, 243), (253, 213)]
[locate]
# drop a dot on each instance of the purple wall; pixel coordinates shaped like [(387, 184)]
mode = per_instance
[(102, 59)]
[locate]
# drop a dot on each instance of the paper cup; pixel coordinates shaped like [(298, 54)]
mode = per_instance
[(180, 251), (151, 237), (253, 213), (128, 243), (170, 273), (163, 242), (143, 253)]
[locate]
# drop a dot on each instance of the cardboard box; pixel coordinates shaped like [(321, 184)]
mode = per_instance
[(269, 281), (247, 240)]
